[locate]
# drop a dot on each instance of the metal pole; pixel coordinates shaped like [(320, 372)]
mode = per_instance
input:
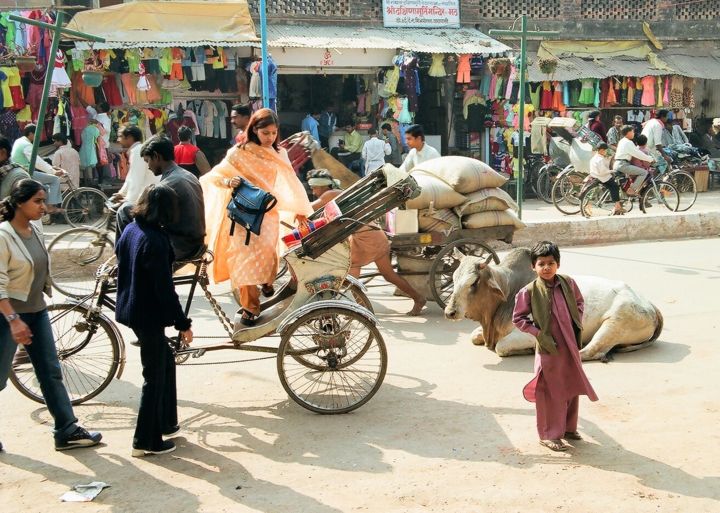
[(46, 91), (264, 54), (521, 115)]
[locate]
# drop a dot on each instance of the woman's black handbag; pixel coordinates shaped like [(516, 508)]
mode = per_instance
[(248, 206)]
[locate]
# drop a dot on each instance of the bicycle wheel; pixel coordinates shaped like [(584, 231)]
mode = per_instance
[(686, 187), (85, 207), (596, 202), (660, 193), (75, 255), (566, 192), (545, 180), (88, 349), (447, 261), (331, 360)]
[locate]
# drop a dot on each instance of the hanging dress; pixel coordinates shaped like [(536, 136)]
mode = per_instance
[(546, 97), (587, 92), (60, 78), (611, 99), (688, 98), (676, 92), (535, 89), (557, 101), (666, 92), (437, 69), (659, 92), (463, 69), (648, 96), (143, 83)]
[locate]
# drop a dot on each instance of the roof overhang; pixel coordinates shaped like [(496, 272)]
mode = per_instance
[(167, 24)]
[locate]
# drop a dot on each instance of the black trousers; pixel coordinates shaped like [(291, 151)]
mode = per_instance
[(612, 186), (158, 400)]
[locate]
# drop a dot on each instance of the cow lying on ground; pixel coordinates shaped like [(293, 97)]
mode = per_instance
[(615, 315)]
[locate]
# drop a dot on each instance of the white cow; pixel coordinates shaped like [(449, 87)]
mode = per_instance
[(615, 315)]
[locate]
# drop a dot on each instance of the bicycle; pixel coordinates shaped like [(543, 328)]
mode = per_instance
[(595, 200), (685, 184), (566, 190), (546, 178), (83, 206)]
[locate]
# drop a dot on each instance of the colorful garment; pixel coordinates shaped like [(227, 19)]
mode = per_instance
[(257, 262), (546, 97), (648, 89), (587, 92), (463, 68), (437, 69)]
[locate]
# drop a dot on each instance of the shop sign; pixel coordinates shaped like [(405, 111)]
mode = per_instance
[(421, 13)]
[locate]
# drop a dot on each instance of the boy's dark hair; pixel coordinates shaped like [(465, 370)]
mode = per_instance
[(372, 131), (242, 110), (627, 129), (103, 107), (157, 206), (60, 137), (132, 131), (543, 249), (386, 126), (6, 145), (594, 114), (602, 146), (160, 146), (29, 129), (662, 113), (185, 133), (641, 140), (416, 131)]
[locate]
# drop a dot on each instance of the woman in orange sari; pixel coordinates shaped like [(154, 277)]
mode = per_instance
[(258, 160)]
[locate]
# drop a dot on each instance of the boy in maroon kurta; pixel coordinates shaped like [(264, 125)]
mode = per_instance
[(551, 309)]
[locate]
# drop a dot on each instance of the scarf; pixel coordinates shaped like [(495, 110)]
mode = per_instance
[(541, 304)]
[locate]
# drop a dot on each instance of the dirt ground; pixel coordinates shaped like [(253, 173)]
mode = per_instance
[(448, 431)]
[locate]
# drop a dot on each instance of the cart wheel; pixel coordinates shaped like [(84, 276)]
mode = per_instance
[(332, 360), (88, 349), (446, 262)]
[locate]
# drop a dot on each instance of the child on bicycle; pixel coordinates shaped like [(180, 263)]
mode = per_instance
[(600, 170)]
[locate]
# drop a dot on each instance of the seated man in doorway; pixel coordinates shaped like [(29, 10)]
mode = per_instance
[(419, 150), (354, 144), (367, 245), (340, 153)]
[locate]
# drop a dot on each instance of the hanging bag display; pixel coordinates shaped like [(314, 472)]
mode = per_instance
[(248, 206)]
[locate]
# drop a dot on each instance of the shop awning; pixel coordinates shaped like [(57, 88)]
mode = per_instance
[(167, 24), (424, 40), (584, 59)]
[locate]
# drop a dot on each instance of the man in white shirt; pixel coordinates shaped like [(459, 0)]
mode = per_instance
[(600, 170), (139, 175), (67, 158), (43, 173), (654, 130), (419, 151), (374, 151), (626, 150)]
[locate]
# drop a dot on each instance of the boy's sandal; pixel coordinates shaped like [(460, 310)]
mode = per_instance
[(554, 445), (248, 318), (572, 435), (268, 290)]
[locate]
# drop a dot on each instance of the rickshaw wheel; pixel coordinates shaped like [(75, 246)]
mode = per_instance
[(332, 360), (447, 261), (350, 292)]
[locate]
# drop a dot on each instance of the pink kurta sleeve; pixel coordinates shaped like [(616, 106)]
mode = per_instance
[(522, 312)]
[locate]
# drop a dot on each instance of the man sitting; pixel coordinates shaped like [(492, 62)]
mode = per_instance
[(626, 150)]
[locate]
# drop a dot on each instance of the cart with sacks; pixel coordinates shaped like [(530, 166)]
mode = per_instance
[(461, 210), (330, 355)]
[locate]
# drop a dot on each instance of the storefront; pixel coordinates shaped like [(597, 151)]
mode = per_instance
[(373, 76)]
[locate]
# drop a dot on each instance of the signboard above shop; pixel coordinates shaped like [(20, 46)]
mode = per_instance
[(421, 13)]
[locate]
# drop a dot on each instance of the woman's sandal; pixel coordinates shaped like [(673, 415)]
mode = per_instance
[(248, 318), (572, 435), (268, 290), (554, 445)]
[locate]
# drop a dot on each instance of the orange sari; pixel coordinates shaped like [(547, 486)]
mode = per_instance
[(256, 263)]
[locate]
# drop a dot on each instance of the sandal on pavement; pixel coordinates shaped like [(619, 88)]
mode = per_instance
[(248, 318), (268, 290), (572, 435), (554, 445)]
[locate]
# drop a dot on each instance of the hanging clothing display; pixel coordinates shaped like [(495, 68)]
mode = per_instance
[(587, 92), (648, 91), (463, 68), (546, 97), (437, 68)]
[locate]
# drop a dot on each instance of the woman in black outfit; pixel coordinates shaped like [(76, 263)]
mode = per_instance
[(147, 303)]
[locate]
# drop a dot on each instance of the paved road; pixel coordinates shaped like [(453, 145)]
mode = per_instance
[(448, 431)]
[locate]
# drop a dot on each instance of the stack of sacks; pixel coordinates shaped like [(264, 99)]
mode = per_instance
[(461, 190)]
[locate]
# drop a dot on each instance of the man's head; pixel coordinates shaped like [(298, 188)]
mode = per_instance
[(372, 132), (129, 135), (315, 113), (29, 131), (59, 139), (415, 137), (185, 134), (103, 108), (349, 128), (321, 181), (5, 149), (618, 122), (593, 115), (602, 149), (158, 152), (240, 116), (641, 140), (386, 128), (628, 132), (662, 115)]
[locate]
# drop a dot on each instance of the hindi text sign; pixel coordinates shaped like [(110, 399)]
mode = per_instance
[(421, 13)]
